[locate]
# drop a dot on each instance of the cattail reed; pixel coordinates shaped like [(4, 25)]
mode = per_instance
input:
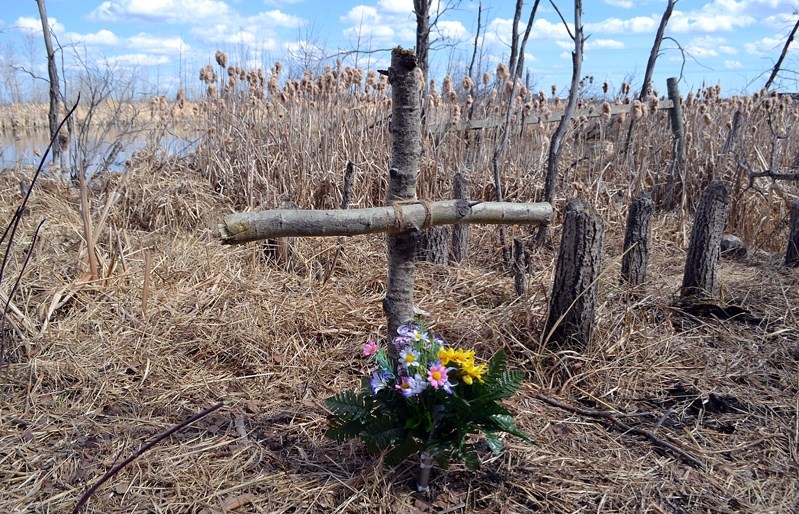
[(221, 58)]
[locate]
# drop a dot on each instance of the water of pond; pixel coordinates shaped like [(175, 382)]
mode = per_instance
[(22, 149)]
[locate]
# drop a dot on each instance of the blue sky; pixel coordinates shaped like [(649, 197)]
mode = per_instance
[(730, 42)]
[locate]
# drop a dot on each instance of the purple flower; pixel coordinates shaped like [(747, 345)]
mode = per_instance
[(411, 386), (380, 380)]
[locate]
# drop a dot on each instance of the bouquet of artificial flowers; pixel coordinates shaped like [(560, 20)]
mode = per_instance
[(427, 400)]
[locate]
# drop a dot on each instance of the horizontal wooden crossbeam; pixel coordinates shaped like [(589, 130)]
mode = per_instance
[(401, 217)]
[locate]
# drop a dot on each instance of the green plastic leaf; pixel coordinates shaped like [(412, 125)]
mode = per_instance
[(349, 405), (494, 444), (402, 451), (506, 423)]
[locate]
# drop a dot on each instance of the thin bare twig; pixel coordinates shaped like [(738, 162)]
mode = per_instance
[(160, 437), (690, 459)]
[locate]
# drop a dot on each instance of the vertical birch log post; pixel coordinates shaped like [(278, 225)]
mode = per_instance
[(636, 240), (792, 253), (704, 250), (570, 323), (406, 150)]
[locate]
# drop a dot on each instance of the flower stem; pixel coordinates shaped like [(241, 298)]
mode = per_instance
[(425, 465)]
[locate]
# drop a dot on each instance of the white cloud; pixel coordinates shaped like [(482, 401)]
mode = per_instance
[(139, 60), (30, 24), (498, 30), (157, 45), (101, 37), (451, 29), (635, 25), (389, 23), (733, 65), (764, 46), (278, 18), (164, 11), (709, 46), (608, 44)]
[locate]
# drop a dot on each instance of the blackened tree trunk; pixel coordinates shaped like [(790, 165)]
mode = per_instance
[(519, 267), (792, 253), (514, 39), (280, 250), (776, 69), (421, 8), (52, 72), (461, 234), (704, 250), (406, 150), (636, 240), (570, 323), (433, 245), (655, 52)]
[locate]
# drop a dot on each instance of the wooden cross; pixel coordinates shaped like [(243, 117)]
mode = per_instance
[(403, 215)]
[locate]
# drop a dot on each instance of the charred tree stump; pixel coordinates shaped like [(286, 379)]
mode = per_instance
[(519, 267), (792, 253), (636, 240), (570, 323), (280, 250), (461, 234), (704, 250), (433, 245)]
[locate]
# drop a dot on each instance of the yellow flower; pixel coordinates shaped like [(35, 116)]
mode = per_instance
[(473, 371)]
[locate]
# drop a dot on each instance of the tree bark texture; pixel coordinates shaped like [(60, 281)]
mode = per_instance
[(280, 250), (433, 245), (519, 267), (636, 240), (570, 323), (701, 265), (52, 71), (406, 149), (421, 8), (412, 216), (462, 233), (792, 253)]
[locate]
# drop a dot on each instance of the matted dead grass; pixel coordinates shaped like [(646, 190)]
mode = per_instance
[(95, 371)]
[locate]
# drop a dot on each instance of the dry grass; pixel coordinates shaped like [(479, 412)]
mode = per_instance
[(96, 370)]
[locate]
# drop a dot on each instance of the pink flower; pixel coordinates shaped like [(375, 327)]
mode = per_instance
[(370, 348), (437, 376)]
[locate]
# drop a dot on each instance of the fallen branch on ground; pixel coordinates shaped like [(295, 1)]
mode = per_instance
[(687, 457)]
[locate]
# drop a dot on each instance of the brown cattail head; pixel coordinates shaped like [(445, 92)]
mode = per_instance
[(502, 71), (605, 87), (486, 79), (468, 84), (221, 58), (554, 89)]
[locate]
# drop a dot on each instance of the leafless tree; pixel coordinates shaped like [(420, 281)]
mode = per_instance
[(778, 65), (653, 55), (556, 143), (52, 71), (426, 22)]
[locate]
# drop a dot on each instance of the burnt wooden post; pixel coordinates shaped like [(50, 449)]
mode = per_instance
[(636, 240), (402, 217), (792, 253), (704, 249), (461, 234), (570, 323), (433, 245)]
